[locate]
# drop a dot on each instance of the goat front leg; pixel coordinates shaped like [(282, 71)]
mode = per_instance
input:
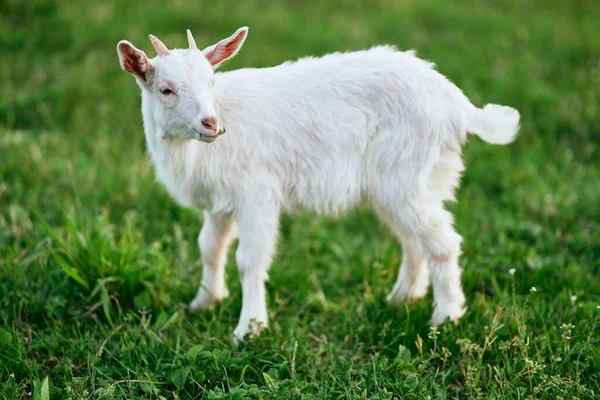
[(258, 236), (214, 240)]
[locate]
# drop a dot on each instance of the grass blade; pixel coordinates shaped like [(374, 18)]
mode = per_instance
[(70, 271)]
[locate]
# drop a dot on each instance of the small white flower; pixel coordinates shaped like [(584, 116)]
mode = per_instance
[(533, 289), (12, 374), (433, 333), (512, 271), (573, 299)]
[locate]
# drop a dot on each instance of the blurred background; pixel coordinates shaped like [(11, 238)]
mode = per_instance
[(97, 262)]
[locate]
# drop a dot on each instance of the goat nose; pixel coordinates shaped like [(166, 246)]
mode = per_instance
[(210, 123)]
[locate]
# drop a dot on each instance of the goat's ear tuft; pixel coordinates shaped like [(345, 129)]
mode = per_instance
[(134, 60), (226, 48)]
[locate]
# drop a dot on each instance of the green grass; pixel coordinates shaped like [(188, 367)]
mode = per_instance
[(97, 263)]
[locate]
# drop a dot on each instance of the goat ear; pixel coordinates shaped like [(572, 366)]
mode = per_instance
[(134, 61), (226, 48)]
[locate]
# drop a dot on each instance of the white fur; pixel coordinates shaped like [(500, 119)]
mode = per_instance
[(378, 127)]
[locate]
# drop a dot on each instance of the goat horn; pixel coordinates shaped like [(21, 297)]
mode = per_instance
[(159, 46), (191, 40)]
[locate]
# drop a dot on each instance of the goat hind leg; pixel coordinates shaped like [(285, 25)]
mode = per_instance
[(413, 277), (427, 229), (441, 246)]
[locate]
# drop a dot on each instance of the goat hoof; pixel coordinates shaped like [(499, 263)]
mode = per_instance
[(247, 330), (205, 300), (402, 295), (397, 296), (453, 312)]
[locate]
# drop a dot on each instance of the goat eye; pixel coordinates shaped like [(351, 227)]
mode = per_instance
[(166, 91)]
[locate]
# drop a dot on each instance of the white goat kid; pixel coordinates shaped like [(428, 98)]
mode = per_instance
[(378, 127)]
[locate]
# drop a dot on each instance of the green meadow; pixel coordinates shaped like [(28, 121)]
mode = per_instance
[(98, 263)]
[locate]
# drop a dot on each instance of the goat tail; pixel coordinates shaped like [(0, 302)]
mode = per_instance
[(495, 124)]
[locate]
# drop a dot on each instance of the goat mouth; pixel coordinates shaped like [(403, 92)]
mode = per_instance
[(206, 138)]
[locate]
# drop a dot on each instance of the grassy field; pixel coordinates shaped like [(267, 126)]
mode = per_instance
[(97, 263)]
